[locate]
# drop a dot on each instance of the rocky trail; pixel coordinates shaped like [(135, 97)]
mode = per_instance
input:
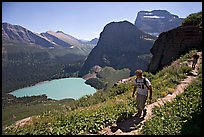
[(129, 126)]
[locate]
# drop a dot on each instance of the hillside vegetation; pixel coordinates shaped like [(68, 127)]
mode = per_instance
[(194, 19), (182, 116), (117, 104)]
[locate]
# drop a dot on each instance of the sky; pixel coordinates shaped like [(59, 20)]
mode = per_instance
[(84, 20)]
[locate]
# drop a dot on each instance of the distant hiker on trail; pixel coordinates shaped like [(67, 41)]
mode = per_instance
[(195, 60), (142, 85)]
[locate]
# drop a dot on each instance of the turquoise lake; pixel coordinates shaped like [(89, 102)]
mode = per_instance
[(58, 89)]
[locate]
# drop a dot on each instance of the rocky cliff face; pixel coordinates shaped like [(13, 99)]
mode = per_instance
[(119, 46), (157, 21), (170, 45)]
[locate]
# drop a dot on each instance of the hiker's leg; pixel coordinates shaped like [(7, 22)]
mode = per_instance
[(141, 99), (193, 65), (144, 112), (144, 106), (139, 113), (138, 101)]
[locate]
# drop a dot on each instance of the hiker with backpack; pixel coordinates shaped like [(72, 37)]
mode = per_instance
[(142, 85), (195, 60)]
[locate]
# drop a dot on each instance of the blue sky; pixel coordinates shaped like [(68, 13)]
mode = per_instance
[(84, 20)]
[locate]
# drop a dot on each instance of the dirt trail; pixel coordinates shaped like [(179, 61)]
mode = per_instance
[(127, 127)]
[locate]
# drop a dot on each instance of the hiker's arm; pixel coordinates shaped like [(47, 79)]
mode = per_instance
[(150, 90), (133, 93)]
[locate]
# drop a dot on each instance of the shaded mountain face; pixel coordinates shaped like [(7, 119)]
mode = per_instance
[(170, 45), (157, 21), (119, 46)]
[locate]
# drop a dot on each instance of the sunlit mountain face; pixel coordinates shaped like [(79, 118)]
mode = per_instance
[(156, 21)]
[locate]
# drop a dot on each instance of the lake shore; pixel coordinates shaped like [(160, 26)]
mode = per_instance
[(42, 82), (64, 86)]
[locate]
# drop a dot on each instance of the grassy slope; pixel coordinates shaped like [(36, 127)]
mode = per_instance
[(116, 107)]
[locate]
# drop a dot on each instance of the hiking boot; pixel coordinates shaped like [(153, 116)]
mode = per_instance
[(144, 112), (137, 115)]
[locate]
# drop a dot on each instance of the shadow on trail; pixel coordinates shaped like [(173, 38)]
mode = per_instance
[(127, 125)]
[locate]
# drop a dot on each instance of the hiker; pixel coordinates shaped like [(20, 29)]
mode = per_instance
[(142, 85), (195, 60)]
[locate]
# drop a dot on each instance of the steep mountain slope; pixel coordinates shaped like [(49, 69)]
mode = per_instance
[(53, 37), (119, 46), (170, 45), (93, 41), (18, 33), (61, 39), (157, 21), (49, 39)]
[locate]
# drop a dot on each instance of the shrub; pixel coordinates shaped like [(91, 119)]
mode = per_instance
[(170, 90), (119, 89), (164, 94)]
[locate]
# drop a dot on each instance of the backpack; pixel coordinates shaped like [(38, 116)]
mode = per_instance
[(144, 81)]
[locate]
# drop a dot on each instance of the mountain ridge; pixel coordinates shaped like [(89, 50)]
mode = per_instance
[(19, 33), (157, 21)]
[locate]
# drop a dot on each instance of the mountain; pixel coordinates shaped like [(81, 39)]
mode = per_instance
[(55, 39), (157, 21), (18, 33), (170, 45), (48, 39), (93, 41), (120, 46), (66, 40)]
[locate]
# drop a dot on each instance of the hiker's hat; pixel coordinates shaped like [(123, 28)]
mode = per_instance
[(139, 71)]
